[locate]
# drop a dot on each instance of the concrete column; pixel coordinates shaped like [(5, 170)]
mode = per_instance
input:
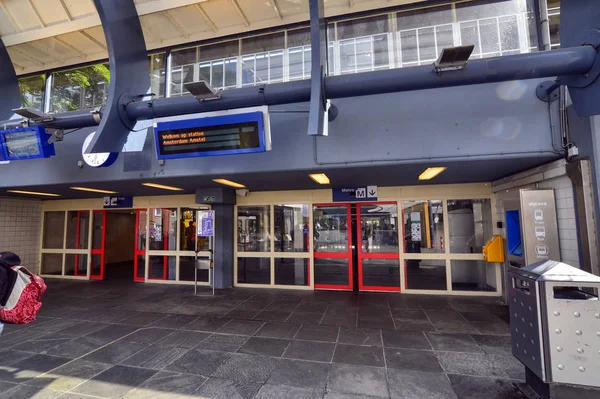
[(223, 249)]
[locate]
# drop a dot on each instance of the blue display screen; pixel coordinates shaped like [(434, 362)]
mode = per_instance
[(218, 135), (25, 143), (513, 233)]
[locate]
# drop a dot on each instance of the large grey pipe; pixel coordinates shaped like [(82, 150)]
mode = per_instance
[(569, 61)]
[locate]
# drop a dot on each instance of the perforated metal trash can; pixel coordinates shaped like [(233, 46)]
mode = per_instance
[(555, 322)]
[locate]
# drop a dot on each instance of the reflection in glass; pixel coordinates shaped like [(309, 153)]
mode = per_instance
[(76, 265), (163, 229), (52, 264), (473, 275), (290, 271), (470, 225), (141, 269), (78, 226), (554, 21), (186, 270), (331, 228), (292, 228), (423, 226), (332, 271), (162, 267), (381, 272), (254, 229), (54, 230), (426, 274), (142, 230), (81, 88), (254, 271), (157, 74), (379, 228), (96, 265), (32, 91)]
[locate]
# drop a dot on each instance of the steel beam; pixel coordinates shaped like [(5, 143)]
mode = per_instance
[(129, 72), (9, 85), (318, 40)]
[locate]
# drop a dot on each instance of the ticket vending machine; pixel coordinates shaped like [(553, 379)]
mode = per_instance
[(531, 227)]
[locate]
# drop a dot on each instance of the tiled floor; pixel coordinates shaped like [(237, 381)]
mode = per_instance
[(103, 339)]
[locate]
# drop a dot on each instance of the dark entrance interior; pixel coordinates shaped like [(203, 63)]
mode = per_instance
[(120, 245)]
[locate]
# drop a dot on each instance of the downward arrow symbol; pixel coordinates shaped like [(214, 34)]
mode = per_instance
[(371, 193)]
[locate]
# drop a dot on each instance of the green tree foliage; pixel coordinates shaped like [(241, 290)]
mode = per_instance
[(71, 90)]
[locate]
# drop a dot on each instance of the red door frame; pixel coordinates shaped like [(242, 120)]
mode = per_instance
[(165, 233), (102, 250), (370, 255), (338, 255), (137, 251)]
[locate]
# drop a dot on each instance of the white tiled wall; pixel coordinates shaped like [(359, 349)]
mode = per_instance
[(20, 230)]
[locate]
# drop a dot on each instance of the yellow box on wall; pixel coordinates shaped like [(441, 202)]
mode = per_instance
[(493, 250)]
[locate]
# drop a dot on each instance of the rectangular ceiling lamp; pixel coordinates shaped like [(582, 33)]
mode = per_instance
[(430, 173), (93, 190), (32, 193), (229, 183), (163, 187), (320, 178)]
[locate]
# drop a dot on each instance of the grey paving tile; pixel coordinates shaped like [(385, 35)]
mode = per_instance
[(494, 344), (70, 375), (223, 342), (358, 380), (114, 382), (241, 327), (455, 327), (285, 392), (494, 328), (414, 325), (155, 357), (360, 336), (174, 321), (244, 369), (398, 301), (283, 306), (142, 319), (453, 343), (278, 330), (83, 328), (412, 384), (265, 346), (305, 318), (405, 339), (409, 314), (408, 359), (200, 362), (434, 303), (28, 391), (184, 339), (482, 316), (148, 335), (242, 314), (468, 387), (385, 323), (312, 307), (41, 344), (471, 364), (444, 316), (9, 356), (273, 315), (30, 367), (219, 388), (207, 324), (310, 350), (115, 352), (78, 347), (362, 355), (309, 332), (300, 374), (340, 321), (6, 386), (338, 395), (113, 332), (168, 385), (511, 367), (254, 305)]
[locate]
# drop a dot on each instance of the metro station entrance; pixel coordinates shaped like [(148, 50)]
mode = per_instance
[(356, 247)]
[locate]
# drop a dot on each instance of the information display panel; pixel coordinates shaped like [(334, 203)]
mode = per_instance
[(216, 135), (25, 143)]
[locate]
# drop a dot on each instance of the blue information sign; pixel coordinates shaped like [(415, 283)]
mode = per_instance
[(354, 194), (118, 202), (206, 223), (214, 135), (25, 143)]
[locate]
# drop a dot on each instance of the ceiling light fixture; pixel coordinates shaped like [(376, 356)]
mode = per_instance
[(93, 190), (162, 186), (32, 193), (430, 173), (320, 178), (229, 183)]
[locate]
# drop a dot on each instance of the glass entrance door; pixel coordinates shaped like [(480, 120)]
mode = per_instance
[(333, 246), (141, 231), (378, 253), (98, 245)]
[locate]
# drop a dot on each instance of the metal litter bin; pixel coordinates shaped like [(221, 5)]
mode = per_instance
[(555, 322)]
